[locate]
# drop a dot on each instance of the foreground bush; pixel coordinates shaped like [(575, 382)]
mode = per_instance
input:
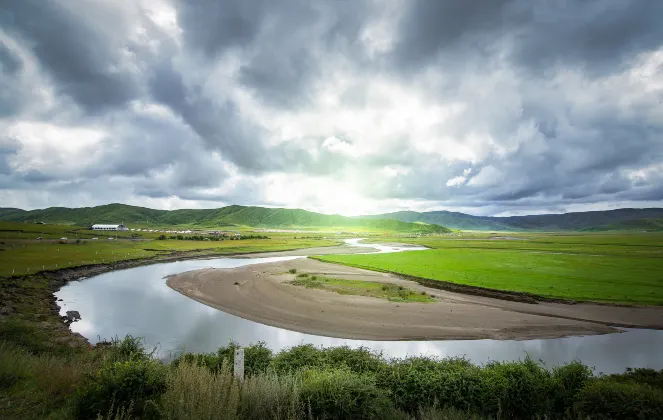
[(132, 385), (119, 380), (360, 360), (341, 394), (609, 399)]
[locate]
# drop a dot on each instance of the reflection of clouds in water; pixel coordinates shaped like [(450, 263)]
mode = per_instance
[(138, 302)]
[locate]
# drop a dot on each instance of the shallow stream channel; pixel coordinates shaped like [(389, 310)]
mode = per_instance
[(137, 301)]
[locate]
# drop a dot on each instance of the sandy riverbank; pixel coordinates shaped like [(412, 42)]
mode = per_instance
[(261, 293)]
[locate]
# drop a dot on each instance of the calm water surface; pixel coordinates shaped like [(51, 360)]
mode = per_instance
[(137, 301)]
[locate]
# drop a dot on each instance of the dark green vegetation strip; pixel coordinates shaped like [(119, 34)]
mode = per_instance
[(389, 291), (607, 268), (120, 380)]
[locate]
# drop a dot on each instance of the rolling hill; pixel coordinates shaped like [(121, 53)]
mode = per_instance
[(224, 216), (621, 219)]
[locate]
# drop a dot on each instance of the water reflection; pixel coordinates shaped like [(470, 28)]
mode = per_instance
[(137, 301)]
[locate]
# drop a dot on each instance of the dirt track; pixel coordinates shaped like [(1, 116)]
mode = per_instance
[(260, 293)]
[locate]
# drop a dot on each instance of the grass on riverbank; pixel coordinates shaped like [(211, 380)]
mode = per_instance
[(389, 291), (600, 267), (20, 257), (121, 380)]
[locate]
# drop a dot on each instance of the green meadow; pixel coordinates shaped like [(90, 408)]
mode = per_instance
[(391, 292), (624, 268), (21, 253)]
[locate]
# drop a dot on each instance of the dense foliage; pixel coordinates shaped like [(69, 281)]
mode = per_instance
[(120, 380)]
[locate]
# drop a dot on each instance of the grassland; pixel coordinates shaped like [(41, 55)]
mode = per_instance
[(391, 292), (22, 254), (625, 268)]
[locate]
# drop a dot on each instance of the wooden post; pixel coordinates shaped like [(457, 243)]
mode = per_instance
[(239, 364)]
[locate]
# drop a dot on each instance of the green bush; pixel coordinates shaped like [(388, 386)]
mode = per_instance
[(118, 385), (650, 377), (292, 271), (341, 394), (521, 389), (360, 360), (302, 275), (297, 358), (609, 399), (257, 358), (129, 348), (568, 380), (421, 382)]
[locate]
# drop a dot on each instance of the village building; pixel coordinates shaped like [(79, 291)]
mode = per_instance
[(120, 227)]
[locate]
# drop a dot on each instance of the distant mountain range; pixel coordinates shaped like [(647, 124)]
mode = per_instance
[(404, 221), (225, 216), (621, 219)]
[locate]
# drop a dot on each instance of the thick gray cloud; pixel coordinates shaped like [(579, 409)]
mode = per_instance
[(487, 106)]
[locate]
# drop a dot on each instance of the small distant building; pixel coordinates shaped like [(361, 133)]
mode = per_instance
[(120, 227)]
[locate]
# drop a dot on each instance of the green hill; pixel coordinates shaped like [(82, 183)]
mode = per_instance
[(647, 225), (621, 219), (225, 216)]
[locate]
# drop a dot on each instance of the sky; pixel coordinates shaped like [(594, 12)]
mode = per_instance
[(490, 107)]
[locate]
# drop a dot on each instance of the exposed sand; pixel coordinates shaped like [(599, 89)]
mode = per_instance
[(261, 293)]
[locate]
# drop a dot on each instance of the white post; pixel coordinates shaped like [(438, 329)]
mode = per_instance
[(239, 364)]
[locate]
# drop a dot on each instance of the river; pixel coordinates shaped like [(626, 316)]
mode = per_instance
[(137, 301)]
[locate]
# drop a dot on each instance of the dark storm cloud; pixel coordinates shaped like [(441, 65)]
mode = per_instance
[(595, 34), (10, 63), (545, 82), (83, 57)]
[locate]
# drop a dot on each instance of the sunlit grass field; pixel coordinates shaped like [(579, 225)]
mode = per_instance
[(625, 268), (21, 253)]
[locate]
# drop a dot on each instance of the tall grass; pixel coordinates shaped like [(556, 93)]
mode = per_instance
[(195, 392)]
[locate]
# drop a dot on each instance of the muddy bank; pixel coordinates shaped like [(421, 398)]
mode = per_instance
[(261, 293)]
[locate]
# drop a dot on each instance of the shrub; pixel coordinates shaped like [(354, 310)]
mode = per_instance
[(359, 360), (609, 399), (650, 377), (568, 380), (119, 385), (517, 389), (297, 358), (162, 237), (292, 271), (302, 275), (314, 277), (257, 358), (129, 348), (341, 394), (421, 382)]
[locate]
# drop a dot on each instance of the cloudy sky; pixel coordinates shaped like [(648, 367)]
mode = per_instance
[(492, 107)]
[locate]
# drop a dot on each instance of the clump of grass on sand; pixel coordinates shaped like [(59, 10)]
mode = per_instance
[(389, 291)]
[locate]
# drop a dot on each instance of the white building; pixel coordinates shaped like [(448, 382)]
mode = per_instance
[(120, 227)]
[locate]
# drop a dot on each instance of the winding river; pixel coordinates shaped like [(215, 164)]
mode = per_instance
[(137, 301)]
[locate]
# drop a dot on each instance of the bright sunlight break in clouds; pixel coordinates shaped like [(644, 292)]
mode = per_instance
[(492, 107)]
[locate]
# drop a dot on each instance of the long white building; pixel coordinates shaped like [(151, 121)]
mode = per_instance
[(121, 227)]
